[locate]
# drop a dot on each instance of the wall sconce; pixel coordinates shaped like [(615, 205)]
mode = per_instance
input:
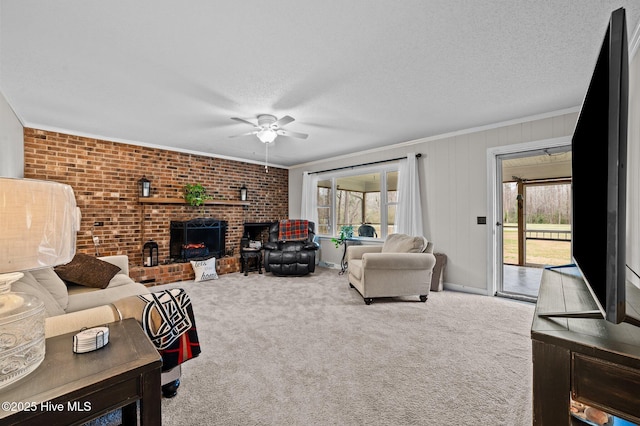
[(150, 254), (144, 187), (243, 193)]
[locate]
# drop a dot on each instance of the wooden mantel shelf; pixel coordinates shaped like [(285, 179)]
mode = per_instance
[(157, 200)]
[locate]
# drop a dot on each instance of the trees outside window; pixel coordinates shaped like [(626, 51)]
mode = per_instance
[(358, 198)]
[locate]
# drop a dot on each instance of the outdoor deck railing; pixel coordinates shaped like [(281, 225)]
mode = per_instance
[(548, 235), (544, 234)]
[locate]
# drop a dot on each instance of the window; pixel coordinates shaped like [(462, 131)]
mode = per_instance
[(355, 198), (325, 197)]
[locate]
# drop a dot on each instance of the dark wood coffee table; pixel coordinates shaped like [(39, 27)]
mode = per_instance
[(69, 388)]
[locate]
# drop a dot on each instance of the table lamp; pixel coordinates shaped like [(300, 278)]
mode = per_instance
[(37, 230)]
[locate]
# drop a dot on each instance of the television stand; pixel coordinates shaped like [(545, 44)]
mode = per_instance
[(572, 270), (592, 360)]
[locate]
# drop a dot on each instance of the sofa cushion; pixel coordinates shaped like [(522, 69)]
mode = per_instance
[(119, 280), (81, 297), (48, 279), (402, 243), (29, 285), (205, 269), (88, 271)]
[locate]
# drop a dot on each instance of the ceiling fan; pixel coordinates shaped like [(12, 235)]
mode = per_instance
[(269, 127)]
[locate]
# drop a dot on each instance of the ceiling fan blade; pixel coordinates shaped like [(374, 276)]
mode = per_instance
[(289, 133), (241, 120), (283, 121), (255, 132)]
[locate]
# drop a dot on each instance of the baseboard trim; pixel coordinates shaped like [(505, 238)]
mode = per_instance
[(329, 265), (465, 289)]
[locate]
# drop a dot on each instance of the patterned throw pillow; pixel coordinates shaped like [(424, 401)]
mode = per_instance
[(205, 269)]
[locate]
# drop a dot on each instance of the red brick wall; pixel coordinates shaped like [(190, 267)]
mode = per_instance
[(104, 177)]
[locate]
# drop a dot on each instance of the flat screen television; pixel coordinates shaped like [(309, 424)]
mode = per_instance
[(599, 175)]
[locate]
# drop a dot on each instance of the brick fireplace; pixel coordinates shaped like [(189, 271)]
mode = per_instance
[(104, 177)]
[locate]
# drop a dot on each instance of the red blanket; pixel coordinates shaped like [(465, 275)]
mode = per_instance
[(293, 229), (167, 318)]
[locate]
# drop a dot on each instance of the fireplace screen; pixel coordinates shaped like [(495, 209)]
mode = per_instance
[(196, 238)]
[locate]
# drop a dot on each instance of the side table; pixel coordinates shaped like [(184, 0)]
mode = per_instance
[(69, 388), (250, 260)]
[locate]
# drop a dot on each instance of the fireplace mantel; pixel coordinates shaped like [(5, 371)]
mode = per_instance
[(157, 200)]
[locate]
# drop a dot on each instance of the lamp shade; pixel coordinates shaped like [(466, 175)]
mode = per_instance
[(38, 229), (37, 224)]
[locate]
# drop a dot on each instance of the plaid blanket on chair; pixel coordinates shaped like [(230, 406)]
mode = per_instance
[(293, 229)]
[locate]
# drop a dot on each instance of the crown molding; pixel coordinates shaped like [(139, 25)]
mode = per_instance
[(147, 145), (446, 135)]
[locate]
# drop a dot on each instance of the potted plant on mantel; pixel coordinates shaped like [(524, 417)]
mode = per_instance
[(196, 195)]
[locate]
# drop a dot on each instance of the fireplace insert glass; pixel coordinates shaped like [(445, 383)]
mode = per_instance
[(195, 238)]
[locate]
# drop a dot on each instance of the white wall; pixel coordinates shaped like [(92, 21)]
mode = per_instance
[(11, 141), (454, 188)]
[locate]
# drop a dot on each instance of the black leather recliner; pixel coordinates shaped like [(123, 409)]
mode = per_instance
[(295, 258)]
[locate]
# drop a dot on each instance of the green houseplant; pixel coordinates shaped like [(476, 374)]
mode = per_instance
[(346, 231), (195, 194)]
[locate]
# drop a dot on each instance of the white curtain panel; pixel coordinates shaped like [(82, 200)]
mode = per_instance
[(409, 210), (309, 207)]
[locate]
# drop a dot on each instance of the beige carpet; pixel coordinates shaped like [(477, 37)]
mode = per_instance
[(308, 351)]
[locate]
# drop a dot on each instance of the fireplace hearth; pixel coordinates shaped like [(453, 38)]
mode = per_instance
[(197, 238)]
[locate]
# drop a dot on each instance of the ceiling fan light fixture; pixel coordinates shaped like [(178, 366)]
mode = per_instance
[(267, 135)]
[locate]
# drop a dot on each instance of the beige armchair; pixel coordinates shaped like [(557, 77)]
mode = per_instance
[(402, 266)]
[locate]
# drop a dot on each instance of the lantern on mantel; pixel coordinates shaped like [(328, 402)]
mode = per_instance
[(243, 193), (144, 187), (150, 254)]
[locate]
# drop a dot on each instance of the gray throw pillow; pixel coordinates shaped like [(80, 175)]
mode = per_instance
[(29, 285), (51, 282)]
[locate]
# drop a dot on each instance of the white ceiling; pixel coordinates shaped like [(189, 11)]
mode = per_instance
[(553, 164), (355, 74)]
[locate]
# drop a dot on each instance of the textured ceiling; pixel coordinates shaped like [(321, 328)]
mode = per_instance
[(355, 74)]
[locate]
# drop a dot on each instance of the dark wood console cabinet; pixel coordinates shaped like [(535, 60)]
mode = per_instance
[(591, 360)]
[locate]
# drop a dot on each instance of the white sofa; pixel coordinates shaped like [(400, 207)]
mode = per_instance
[(72, 307), (402, 266)]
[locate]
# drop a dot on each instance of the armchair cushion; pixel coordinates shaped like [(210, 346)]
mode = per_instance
[(402, 243)]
